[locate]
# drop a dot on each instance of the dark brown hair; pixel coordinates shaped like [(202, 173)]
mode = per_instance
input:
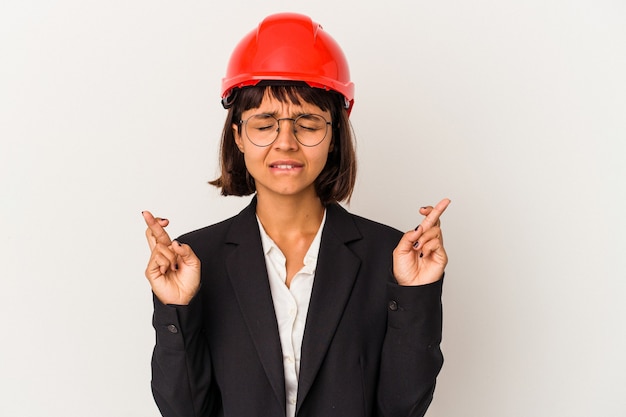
[(336, 181)]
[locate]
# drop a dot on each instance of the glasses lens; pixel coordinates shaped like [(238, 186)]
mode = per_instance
[(310, 129), (262, 129)]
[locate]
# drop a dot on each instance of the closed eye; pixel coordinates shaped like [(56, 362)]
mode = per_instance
[(310, 122), (262, 122)]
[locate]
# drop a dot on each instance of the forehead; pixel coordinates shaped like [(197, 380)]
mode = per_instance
[(285, 104)]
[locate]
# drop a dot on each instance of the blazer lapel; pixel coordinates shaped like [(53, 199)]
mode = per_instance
[(248, 274), (335, 274)]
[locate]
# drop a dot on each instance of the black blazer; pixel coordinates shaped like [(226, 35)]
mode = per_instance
[(370, 346)]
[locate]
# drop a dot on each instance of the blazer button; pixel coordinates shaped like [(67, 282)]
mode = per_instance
[(393, 306), (172, 329)]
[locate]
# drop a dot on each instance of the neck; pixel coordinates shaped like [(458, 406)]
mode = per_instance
[(282, 216)]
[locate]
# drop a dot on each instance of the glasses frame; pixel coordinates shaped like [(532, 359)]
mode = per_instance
[(294, 120)]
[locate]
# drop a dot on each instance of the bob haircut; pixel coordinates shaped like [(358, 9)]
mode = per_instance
[(336, 181)]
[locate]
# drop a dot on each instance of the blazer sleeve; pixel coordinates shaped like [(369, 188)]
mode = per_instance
[(411, 356), (181, 365)]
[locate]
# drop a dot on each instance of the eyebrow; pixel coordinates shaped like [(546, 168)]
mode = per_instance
[(275, 113)]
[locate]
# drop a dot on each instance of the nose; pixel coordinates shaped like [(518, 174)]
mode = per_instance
[(285, 134)]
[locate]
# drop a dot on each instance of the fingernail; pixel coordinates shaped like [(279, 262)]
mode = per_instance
[(421, 254), (178, 243), (418, 226), (416, 244)]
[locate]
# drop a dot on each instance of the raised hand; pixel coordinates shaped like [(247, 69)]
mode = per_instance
[(420, 257), (173, 269)]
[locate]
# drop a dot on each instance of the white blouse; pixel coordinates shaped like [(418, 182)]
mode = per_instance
[(291, 305)]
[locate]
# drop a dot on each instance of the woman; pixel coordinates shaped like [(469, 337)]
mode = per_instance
[(294, 306)]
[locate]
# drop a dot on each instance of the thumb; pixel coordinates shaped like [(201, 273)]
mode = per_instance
[(187, 256)]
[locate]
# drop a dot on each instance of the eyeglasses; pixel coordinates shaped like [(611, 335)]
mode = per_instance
[(262, 129)]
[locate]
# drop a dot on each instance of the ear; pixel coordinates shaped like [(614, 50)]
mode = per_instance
[(237, 136)]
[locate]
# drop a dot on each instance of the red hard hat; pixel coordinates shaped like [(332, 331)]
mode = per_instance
[(288, 47)]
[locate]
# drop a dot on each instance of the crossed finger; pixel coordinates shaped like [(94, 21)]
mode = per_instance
[(155, 233), (433, 217)]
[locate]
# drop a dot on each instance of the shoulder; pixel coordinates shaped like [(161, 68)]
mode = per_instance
[(349, 223), (231, 230), (368, 224), (207, 233)]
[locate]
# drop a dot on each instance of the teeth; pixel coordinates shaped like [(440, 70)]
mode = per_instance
[(283, 166)]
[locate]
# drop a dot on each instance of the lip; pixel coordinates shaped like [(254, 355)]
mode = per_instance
[(286, 165)]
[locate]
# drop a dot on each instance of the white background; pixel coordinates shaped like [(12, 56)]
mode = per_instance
[(516, 110)]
